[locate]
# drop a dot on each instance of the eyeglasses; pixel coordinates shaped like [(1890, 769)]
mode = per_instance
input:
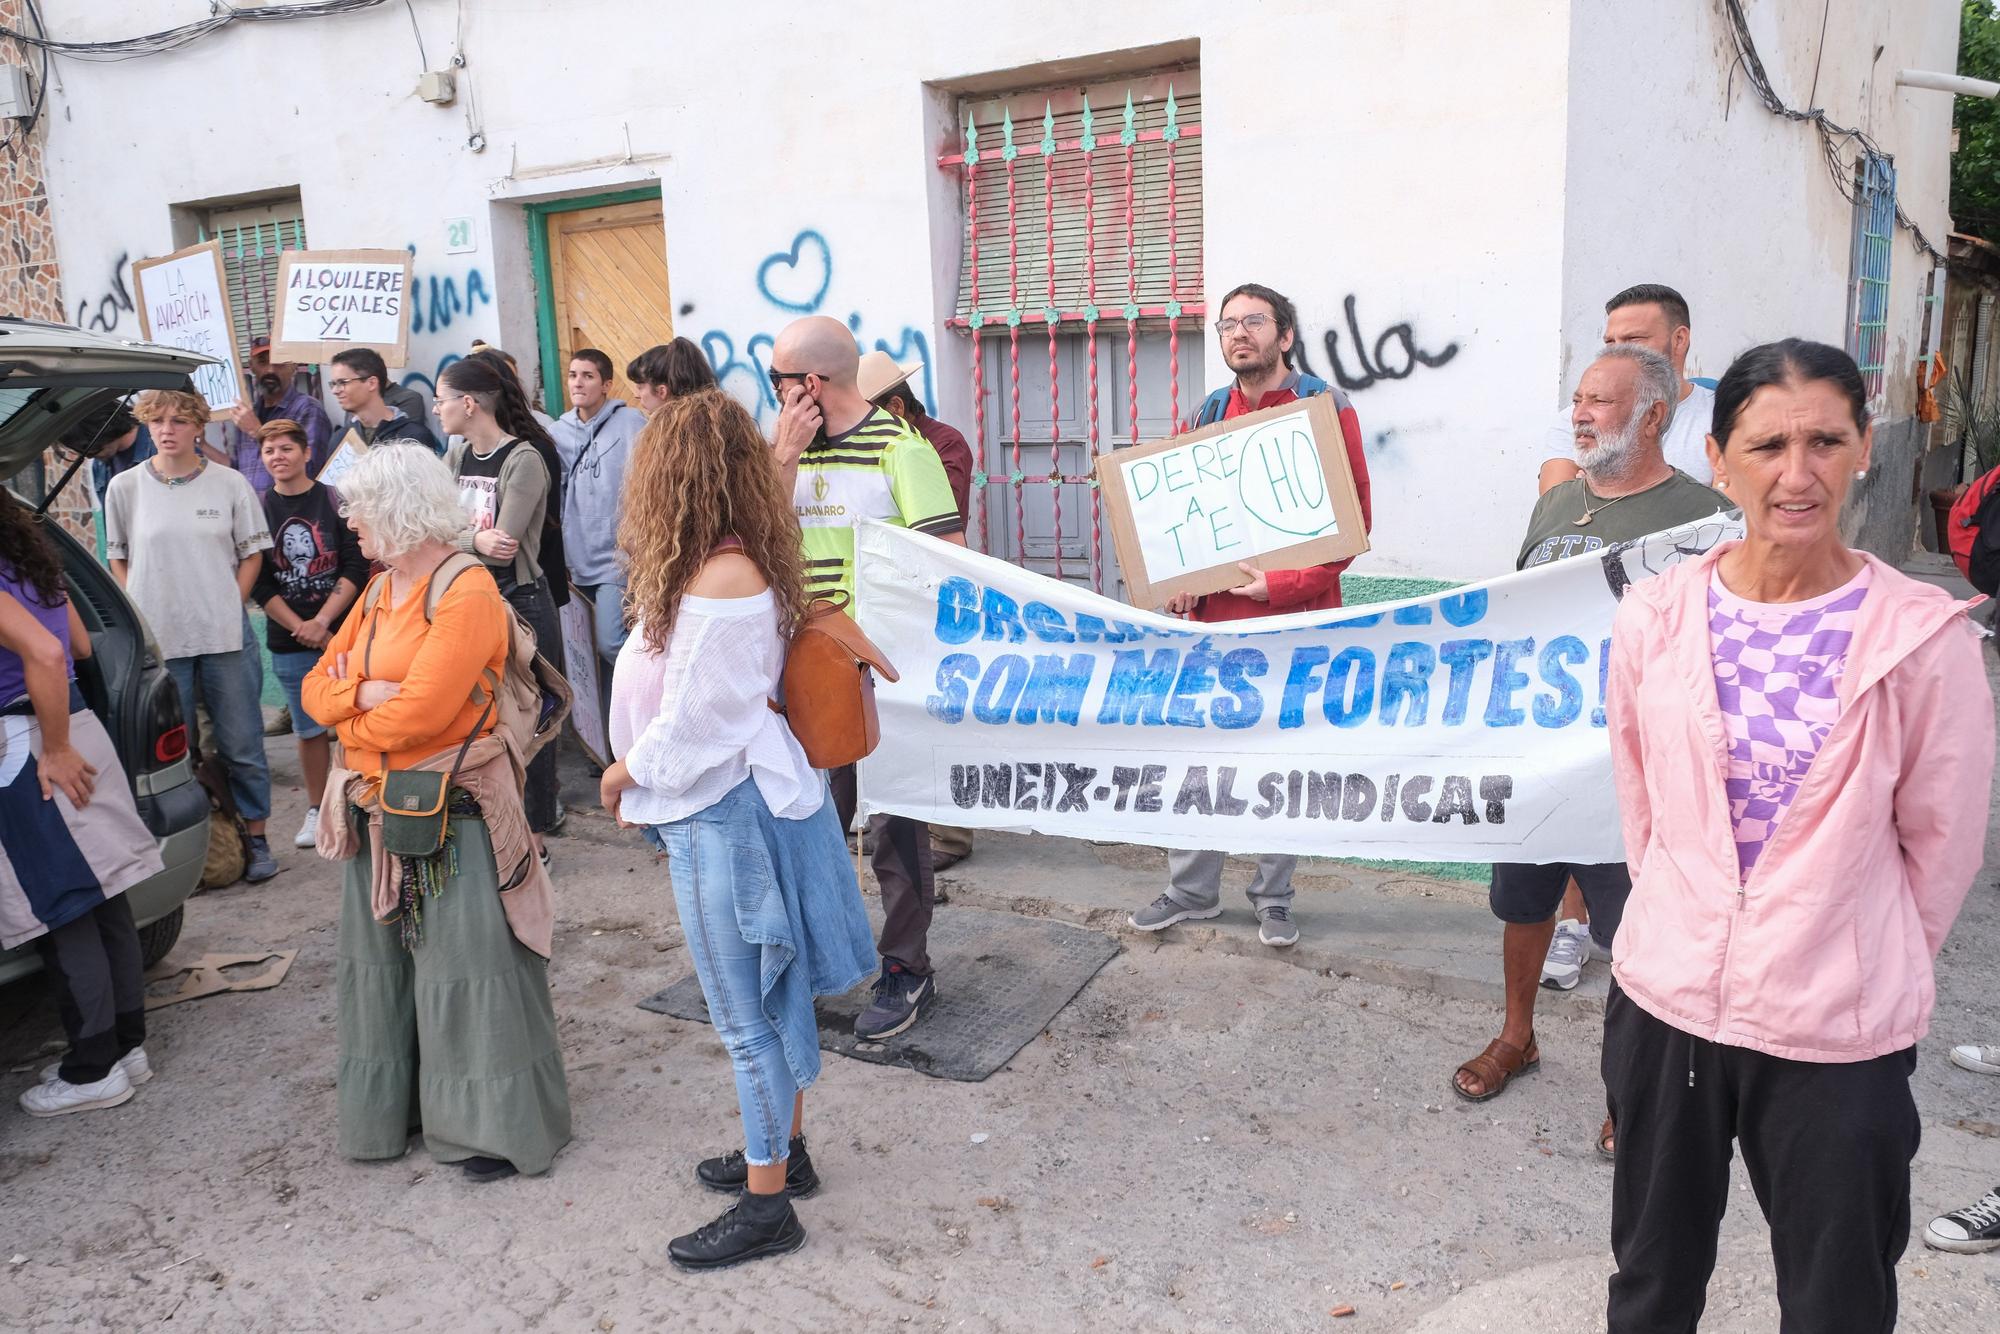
[(1250, 322), (342, 384), (778, 378)]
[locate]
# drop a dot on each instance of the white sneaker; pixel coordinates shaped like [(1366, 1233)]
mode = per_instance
[(59, 1096), (1980, 1060), (309, 831), (134, 1063), (1563, 968)]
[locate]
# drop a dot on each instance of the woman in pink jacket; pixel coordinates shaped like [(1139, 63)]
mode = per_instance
[(1803, 743)]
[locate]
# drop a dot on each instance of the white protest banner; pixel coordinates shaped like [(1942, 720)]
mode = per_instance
[(1466, 726), (334, 299), (183, 302), (1271, 489), (586, 711)]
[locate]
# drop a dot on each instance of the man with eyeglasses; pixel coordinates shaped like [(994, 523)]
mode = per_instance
[(357, 381), (595, 440), (1257, 331), (847, 459)]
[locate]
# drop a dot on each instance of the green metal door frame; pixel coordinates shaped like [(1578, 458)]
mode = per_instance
[(554, 385)]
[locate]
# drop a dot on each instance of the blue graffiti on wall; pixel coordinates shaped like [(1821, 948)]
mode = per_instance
[(437, 302), (795, 281)]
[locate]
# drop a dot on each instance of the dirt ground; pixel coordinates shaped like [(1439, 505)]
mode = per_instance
[(1201, 1141)]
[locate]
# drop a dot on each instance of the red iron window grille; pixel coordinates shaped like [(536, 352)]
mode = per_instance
[(1082, 215)]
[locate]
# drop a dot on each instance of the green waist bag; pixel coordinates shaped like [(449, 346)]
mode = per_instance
[(414, 800)]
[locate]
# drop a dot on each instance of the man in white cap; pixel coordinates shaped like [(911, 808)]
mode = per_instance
[(887, 385)]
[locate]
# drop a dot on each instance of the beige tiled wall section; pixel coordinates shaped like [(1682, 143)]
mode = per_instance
[(30, 277)]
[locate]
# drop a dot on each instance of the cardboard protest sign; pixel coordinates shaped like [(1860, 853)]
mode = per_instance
[(334, 299), (183, 302), (1270, 488), (345, 455), (586, 710)]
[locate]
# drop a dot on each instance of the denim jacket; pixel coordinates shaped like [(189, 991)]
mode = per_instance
[(796, 898)]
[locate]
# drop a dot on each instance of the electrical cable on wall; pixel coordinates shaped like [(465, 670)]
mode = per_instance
[(1833, 136), (172, 39), (17, 136)]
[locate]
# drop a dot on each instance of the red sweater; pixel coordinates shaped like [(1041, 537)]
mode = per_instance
[(1317, 587)]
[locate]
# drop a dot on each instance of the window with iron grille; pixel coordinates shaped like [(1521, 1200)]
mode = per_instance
[(1868, 299), (1080, 287), (252, 237)]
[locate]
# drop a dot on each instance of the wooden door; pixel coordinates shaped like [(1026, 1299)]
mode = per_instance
[(608, 268)]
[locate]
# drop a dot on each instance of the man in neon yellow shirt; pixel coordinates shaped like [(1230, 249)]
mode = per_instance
[(847, 460)]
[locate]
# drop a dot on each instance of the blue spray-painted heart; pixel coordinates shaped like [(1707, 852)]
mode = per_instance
[(795, 280)]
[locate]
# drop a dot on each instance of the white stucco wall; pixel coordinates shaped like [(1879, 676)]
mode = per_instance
[(1678, 174), (1410, 158)]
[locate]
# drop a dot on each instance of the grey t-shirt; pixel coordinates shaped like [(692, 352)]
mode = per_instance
[(1553, 532), (182, 544)]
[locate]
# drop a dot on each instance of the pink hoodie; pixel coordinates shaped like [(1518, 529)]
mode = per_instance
[(1824, 953)]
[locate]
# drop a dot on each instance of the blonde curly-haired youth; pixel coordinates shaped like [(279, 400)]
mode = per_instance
[(158, 405), (701, 473), (406, 496)]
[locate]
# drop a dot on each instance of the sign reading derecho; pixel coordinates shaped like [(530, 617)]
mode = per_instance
[(1466, 726), (334, 299), (1269, 488), (183, 303)]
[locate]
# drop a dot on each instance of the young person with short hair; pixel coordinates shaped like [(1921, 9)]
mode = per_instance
[(314, 573), (358, 380), (186, 538), (595, 440)]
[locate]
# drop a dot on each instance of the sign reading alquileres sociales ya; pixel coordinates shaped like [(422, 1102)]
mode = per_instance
[(1468, 725)]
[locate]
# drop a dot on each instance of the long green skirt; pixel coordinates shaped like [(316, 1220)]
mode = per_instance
[(456, 1035)]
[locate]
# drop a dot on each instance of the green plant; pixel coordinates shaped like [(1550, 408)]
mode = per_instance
[(1976, 420), (1975, 167)]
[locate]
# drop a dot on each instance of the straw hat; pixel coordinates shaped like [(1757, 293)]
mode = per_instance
[(879, 373)]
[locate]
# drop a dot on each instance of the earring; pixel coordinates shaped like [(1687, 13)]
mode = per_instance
[(1860, 473), (1722, 482)]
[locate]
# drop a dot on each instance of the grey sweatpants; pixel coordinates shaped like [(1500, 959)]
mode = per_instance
[(100, 994), (1194, 879)]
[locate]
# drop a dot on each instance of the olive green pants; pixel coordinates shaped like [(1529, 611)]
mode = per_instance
[(456, 1036)]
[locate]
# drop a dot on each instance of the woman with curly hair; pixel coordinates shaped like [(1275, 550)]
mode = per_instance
[(71, 833), (765, 892)]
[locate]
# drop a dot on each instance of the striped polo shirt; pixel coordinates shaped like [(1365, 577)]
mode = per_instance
[(882, 469)]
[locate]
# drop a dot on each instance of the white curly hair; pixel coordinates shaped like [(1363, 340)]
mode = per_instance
[(407, 497)]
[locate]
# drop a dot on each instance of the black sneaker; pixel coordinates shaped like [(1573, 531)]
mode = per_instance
[(260, 865), (1970, 1230), (731, 1172), (753, 1227), (900, 998)]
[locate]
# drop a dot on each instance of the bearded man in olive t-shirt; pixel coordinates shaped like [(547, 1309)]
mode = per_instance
[(1627, 490)]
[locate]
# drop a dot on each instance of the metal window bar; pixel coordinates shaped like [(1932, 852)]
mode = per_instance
[(1876, 217), (250, 251), (1157, 140)]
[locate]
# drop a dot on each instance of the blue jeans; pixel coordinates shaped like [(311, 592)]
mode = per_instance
[(607, 603), (730, 969), (772, 917), (228, 684), (292, 670)]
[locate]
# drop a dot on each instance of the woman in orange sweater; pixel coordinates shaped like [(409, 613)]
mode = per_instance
[(443, 959)]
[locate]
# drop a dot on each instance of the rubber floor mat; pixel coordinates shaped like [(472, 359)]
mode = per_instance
[(1000, 979)]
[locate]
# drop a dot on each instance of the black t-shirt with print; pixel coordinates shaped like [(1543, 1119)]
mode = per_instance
[(312, 550)]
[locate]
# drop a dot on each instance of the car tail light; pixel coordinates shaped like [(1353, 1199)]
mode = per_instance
[(170, 745), (166, 735)]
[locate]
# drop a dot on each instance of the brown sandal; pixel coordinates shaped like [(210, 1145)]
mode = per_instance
[(1496, 1067), (1607, 1142)]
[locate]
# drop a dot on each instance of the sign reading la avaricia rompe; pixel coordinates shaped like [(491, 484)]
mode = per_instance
[(1466, 726), (334, 299)]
